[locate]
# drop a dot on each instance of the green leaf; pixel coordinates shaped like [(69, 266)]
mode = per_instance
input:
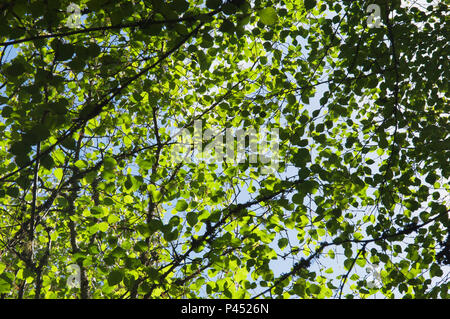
[(283, 242), (97, 210), (113, 219), (435, 270), (180, 5), (298, 198), (291, 99), (15, 69), (128, 183), (301, 157), (69, 143), (314, 289), (108, 201), (348, 252), (157, 195), (7, 111), (309, 4), (93, 49), (181, 205), (47, 161), (144, 230), (141, 246), (361, 262), (155, 225), (127, 199), (103, 226), (13, 192), (331, 254), (6, 280), (152, 273), (63, 51), (2, 267), (348, 263), (202, 59), (170, 236), (58, 173), (213, 4), (268, 16), (192, 218), (227, 26), (81, 164), (118, 252), (174, 221), (109, 164), (115, 277)]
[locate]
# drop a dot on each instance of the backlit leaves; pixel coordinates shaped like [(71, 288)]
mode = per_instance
[(92, 119)]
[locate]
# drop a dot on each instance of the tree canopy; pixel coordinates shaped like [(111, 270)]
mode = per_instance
[(107, 191)]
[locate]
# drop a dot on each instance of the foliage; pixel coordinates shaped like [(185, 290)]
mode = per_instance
[(90, 116)]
